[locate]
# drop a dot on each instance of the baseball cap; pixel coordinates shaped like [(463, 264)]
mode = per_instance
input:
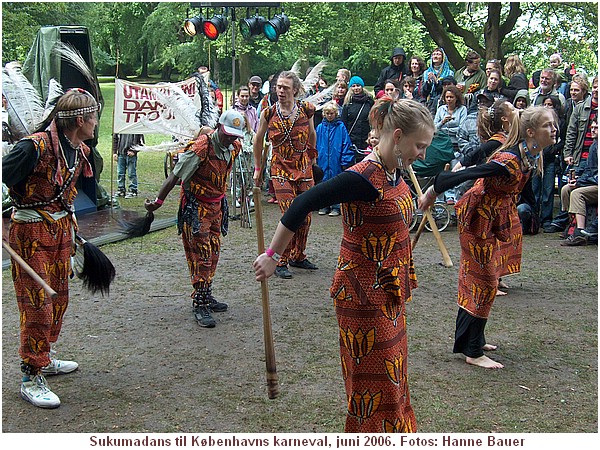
[(255, 79), (233, 123), (485, 99)]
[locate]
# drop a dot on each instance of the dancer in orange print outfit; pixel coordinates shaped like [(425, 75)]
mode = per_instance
[(289, 125), (375, 275), (491, 236)]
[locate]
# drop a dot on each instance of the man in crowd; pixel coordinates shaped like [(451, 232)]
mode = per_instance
[(254, 84), (395, 71)]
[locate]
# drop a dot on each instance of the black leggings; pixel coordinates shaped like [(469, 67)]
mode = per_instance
[(469, 337)]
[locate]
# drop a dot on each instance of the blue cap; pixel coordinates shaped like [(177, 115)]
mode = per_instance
[(356, 80)]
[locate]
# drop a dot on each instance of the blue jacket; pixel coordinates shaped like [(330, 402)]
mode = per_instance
[(333, 145)]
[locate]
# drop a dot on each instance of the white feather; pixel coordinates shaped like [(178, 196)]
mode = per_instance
[(313, 77), (72, 56), (164, 147), (25, 105), (320, 98), (296, 67), (182, 107), (55, 91)]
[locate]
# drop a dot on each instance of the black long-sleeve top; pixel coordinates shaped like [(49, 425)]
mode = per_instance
[(350, 186), (343, 188), (446, 180), (477, 155), (19, 163)]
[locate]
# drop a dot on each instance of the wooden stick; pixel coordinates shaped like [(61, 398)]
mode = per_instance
[(272, 378), (27, 268), (438, 237), (419, 231)]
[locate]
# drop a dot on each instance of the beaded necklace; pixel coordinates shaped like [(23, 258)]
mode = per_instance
[(529, 161), (73, 146), (391, 176), (283, 119)]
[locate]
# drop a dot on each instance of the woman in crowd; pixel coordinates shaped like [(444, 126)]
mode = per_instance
[(490, 232), (339, 94), (355, 114), (438, 69), (514, 69), (417, 68), (408, 86), (451, 114), (393, 89), (375, 273)]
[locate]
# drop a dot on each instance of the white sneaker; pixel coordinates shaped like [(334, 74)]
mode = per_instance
[(37, 392), (59, 367)]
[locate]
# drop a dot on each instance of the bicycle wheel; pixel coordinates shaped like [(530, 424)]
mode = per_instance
[(168, 164), (441, 217)]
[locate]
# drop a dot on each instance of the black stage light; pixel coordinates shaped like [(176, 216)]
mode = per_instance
[(251, 26), (193, 25), (214, 27), (275, 27)]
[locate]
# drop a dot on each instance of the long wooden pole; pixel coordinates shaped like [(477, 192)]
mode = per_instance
[(272, 378), (27, 268), (438, 237)]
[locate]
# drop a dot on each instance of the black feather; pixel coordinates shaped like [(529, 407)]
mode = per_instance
[(98, 272), (138, 227)]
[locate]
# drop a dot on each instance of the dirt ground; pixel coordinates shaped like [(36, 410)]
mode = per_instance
[(146, 366)]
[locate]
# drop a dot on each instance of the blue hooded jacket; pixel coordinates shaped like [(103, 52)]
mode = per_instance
[(333, 145)]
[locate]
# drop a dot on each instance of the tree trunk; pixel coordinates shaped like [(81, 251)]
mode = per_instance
[(144, 71), (244, 70)]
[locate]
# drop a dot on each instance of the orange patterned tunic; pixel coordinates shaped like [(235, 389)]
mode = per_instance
[(372, 283), (200, 210), (491, 236), (45, 244), (292, 154)]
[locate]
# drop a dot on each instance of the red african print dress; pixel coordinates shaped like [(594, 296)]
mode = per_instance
[(491, 236), (372, 283)]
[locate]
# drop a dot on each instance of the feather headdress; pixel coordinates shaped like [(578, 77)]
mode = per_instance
[(25, 107), (72, 56), (192, 117)]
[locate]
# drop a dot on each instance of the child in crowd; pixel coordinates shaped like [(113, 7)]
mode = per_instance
[(333, 145), (372, 141)]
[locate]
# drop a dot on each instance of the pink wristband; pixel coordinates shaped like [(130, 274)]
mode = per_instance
[(271, 254), (158, 201), (257, 169)]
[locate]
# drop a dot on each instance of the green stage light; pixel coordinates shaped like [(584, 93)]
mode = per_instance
[(275, 27), (251, 26)]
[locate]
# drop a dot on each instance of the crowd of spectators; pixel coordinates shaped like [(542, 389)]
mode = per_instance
[(473, 107)]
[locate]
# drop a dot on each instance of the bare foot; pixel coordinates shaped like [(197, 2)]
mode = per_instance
[(500, 293), (485, 362), (489, 347), (502, 284)]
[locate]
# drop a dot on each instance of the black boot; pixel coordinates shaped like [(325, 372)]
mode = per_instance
[(202, 309), (215, 305)]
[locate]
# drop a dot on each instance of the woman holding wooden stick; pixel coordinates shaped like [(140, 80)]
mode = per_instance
[(375, 273)]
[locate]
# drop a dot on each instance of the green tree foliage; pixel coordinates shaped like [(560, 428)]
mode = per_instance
[(148, 37)]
